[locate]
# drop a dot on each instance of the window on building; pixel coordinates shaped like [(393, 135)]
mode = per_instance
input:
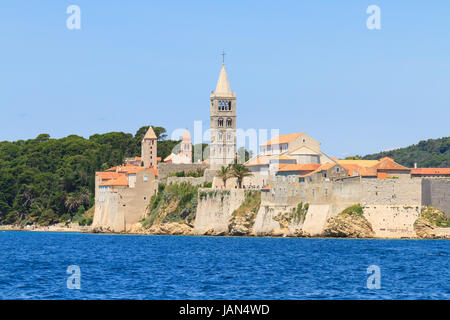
[(220, 122), (338, 169), (326, 191), (145, 178), (229, 122)]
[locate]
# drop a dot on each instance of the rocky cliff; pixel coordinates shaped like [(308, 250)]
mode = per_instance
[(350, 223), (184, 209), (432, 224)]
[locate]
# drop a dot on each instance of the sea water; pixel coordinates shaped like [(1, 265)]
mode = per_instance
[(47, 265)]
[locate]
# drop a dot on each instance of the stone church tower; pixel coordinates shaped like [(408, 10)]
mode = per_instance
[(223, 122), (186, 147), (149, 149)]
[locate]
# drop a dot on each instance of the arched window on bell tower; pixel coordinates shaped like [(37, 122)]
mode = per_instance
[(229, 122), (220, 122)]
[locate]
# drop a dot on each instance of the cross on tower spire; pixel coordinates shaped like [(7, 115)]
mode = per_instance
[(223, 56)]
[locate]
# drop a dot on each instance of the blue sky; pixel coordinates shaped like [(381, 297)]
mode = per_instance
[(295, 65)]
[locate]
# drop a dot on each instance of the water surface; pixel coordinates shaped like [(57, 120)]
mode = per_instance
[(34, 264)]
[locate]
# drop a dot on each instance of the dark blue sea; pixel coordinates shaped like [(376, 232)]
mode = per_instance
[(34, 266)]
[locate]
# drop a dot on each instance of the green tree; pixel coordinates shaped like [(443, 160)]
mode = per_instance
[(224, 173), (240, 171)]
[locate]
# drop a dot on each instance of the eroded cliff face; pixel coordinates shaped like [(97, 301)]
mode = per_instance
[(276, 220), (188, 210), (350, 223), (432, 224), (243, 218), (170, 212), (215, 209)]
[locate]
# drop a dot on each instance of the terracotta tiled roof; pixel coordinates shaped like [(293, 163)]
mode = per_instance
[(361, 163), (282, 157), (107, 175), (285, 138), (132, 170), (368, 172), (111, 169), (266, 188), (430, 171), (351, 168), (155, 171), (298, 167), (258, 161), (121, 180), (387, 163), (158, 159), (325, 166)]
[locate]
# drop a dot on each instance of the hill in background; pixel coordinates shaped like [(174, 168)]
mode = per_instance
[(431, 153)]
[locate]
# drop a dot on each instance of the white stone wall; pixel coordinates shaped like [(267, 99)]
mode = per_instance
[(118, 208), (214, 211), (391, 191), (392, 221), (436, 193), (265, 222)]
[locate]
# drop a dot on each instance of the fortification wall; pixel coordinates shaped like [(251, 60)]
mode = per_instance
[(118, 208), (107, 214), (215, 208), (391, 192), (191, 180), (166, 169), (265, 222), (390, 221), (436, 193), (316, 218)]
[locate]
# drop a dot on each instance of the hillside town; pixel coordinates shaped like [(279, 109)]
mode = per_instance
[(289, 171)]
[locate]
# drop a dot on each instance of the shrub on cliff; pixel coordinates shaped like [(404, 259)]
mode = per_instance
[(435, 217), (243, 218), (173, 203), (350, 223), (194, 174), (355, 210)]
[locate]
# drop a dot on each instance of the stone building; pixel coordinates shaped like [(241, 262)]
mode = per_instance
[(294, 149), (149, 149), (222, 122), (183, 152), (122, 193)]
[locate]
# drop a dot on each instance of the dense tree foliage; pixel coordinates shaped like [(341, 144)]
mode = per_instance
[(46, 180), (431, 153)]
